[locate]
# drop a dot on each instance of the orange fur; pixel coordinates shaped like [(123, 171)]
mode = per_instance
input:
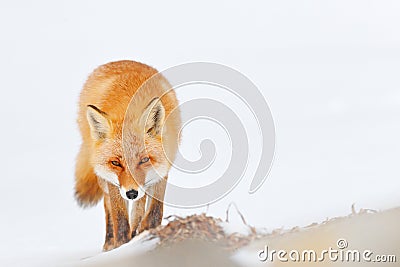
[(102, 108)]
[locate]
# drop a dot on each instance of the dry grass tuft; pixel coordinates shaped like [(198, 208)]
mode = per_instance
[(205, 228), (200, 227)]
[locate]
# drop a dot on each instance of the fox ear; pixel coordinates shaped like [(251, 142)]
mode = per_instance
[(99, 124), (153, 117)]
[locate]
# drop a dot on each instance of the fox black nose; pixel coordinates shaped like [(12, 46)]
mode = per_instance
[(132, 194)]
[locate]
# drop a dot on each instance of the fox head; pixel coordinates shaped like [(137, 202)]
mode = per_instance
[(129, 154)]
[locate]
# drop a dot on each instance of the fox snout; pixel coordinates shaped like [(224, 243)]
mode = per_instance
[(131, 194)]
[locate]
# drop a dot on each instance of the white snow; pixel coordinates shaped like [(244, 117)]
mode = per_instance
[(247, 257), (138, 245), (231, 229)]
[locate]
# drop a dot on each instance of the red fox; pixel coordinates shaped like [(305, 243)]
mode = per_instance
[(126, 169)]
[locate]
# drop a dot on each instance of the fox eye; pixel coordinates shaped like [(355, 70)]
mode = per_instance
[(116, 163), (144, 160)]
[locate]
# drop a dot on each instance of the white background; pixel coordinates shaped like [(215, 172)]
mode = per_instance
[(329, 70)]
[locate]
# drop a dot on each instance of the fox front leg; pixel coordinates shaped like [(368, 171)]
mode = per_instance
[(154, 212), (137, 213), (119, 217), (109, 240)]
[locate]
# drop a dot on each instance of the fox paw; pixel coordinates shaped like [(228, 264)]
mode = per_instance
[(108, 245)]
